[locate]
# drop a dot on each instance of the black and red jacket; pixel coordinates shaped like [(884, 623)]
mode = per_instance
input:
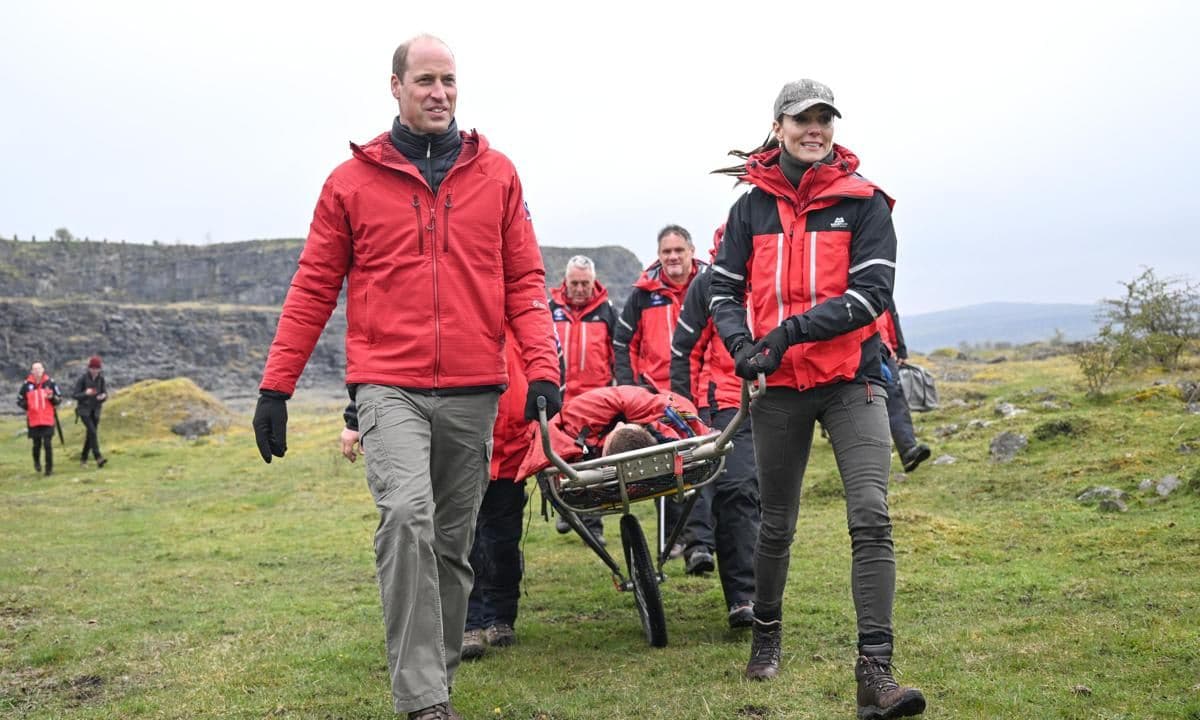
[(824, 251), (578, 431), (38, 399), (701, 367), (586, 335), (890, 333), (431, 279), (642, 343)]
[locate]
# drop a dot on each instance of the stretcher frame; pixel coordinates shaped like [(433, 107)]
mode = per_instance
[(668, 472)]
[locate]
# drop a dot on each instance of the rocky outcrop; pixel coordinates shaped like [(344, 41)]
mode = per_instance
[(255, 272), (221, 348)]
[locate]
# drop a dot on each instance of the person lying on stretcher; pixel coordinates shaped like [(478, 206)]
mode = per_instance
[(611, 420)]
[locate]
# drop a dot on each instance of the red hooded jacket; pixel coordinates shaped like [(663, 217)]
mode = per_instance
[(585, 420), (586, 335), (825, 252), (512, 433), (642, 343), (431, 279)]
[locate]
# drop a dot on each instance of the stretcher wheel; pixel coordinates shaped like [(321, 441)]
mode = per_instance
[(645, 582)]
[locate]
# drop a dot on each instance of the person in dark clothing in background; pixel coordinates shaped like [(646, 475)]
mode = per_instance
[(895, 354), (38, 397), (90, 393), (702, 371)]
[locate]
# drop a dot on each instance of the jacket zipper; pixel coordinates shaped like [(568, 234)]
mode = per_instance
[(446, 223), (437, 325), (420, 225), (582, 344)]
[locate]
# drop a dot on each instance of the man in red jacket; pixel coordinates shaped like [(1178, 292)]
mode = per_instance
[(585, 320), (38, 397), (642, 348), (429, 229)]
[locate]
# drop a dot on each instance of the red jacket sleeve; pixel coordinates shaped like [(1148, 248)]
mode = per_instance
[(313, 293)]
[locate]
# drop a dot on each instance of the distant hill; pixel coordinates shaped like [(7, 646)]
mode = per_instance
[(998, 322)]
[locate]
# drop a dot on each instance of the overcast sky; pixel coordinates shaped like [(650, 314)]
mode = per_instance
[(1038, 152)]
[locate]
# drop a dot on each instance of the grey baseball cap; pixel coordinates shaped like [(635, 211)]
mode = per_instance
[(800, 95)]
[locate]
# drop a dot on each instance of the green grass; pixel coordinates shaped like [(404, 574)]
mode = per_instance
[(188, 579)]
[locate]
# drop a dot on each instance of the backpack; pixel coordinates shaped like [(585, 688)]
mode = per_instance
[(919, 389)]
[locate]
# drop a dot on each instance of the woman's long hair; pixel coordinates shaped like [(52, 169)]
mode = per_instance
[(739, 170)]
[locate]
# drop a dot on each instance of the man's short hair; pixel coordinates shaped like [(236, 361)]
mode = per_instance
[(679, 230), (583, 262), (629, 437), (400, 57)]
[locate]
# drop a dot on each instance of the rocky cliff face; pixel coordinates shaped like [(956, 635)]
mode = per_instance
[(203, 312)]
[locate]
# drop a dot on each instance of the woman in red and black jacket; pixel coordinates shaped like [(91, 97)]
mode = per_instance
[(811, 250), (38, 397)]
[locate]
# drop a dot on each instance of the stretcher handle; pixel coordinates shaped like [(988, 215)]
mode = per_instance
[(552, 456), (751, 390)]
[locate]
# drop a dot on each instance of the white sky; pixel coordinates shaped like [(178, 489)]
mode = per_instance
[(1038, 152)]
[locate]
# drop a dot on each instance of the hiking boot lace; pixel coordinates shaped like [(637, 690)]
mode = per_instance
[(879, 675), (767, 648)]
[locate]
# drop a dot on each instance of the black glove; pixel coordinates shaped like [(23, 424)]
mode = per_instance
[(768, 352), (544, 389), (743, 354), (270, 424)]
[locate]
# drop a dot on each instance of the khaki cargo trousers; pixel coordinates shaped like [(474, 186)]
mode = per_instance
[(427, 462)]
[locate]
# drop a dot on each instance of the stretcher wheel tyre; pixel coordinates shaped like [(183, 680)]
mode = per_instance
[(645, 582)]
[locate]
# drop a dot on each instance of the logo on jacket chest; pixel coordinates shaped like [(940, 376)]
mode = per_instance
[(560, 314), (657, 299)]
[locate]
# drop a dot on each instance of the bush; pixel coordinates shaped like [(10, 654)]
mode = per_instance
[(1099, 360)]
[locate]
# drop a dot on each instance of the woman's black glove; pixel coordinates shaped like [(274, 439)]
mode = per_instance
[(548, 390)]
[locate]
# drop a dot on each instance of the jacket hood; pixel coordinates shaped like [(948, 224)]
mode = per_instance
[(823, 179), (45, 379), (380, 151), (599, 297), (718, 234)]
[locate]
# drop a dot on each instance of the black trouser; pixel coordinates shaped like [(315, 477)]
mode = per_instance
[(899, 418), (496, 556), (733, 499), (91, 421), (856, 419), (43, 437)]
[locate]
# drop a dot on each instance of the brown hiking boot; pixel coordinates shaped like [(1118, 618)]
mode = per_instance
[(501, 635), (880, 697), (441, 711), (766, 645), (474, 645)]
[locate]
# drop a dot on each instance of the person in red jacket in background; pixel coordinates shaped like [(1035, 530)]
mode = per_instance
[(701, 369), (895, 354), (585, 320), (428, 230), (642, 353), (38, 397)]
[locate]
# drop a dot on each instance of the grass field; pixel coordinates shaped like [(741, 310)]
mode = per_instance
[(187, 579)]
